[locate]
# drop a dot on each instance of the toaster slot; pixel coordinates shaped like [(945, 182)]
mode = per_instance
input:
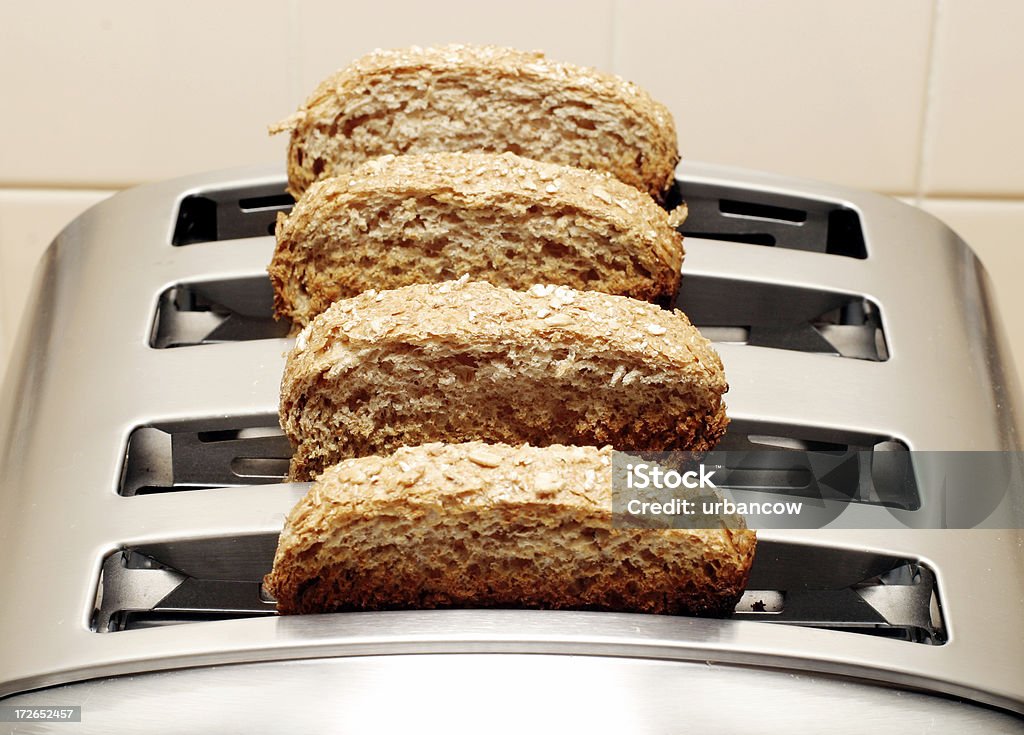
[(843, 589), (229, 213), (196, 455), (716, 212), (724, 309), (784, 317), (179, 456), (742, 215), (208, 312), (136, 590), (854, 590), (819, 463)]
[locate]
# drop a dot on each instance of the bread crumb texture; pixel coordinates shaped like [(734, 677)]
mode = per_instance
[(461, 360), (493, 525), (480, 98), (509, 220)]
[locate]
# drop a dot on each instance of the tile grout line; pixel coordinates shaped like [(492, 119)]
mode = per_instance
[(69, 186), (997, 200), (927, 127)]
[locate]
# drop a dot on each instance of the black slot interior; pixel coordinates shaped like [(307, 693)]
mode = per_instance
[(850, 467), (784, 317), (725, 310), (208, 312), (859, 591), (735, 214), (753, 210), (715, 212), (275, 202), (180, 456), (229, 214)]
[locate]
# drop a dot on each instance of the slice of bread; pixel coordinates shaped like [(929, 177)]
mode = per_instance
[(480, 525), (460, 361), (511, 221), (480, 98)]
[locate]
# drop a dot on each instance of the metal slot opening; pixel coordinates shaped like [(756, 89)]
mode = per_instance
[(838, 589), (208, 312), (192, 580), (725, 310), (275, 202), (784, 317), (761, 211), (181, 456), (748, 216), (167, 457), (229, 214), (141, 589), (818, 463)]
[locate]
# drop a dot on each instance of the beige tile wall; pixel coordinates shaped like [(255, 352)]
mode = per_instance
[(920, 98), (804, 87), (973, 134)]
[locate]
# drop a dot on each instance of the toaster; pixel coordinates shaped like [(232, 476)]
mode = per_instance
[(141, 495)]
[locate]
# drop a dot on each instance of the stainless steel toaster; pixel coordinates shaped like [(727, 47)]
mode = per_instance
[(141, 495)]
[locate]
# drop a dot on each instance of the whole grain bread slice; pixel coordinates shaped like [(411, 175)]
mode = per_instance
[(480, 98), (481, 525), (509, 220), (460, 361)]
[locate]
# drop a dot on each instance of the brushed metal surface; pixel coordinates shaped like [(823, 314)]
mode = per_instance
[(462, 693), (83, 375)]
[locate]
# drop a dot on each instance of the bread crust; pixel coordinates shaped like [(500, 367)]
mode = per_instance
[(482, 525), (461, 97), (459, 361), (512, 221)]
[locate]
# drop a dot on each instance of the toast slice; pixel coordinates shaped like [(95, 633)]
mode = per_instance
[(479, 525), (461, 361), (501, 218), (480, 98)]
